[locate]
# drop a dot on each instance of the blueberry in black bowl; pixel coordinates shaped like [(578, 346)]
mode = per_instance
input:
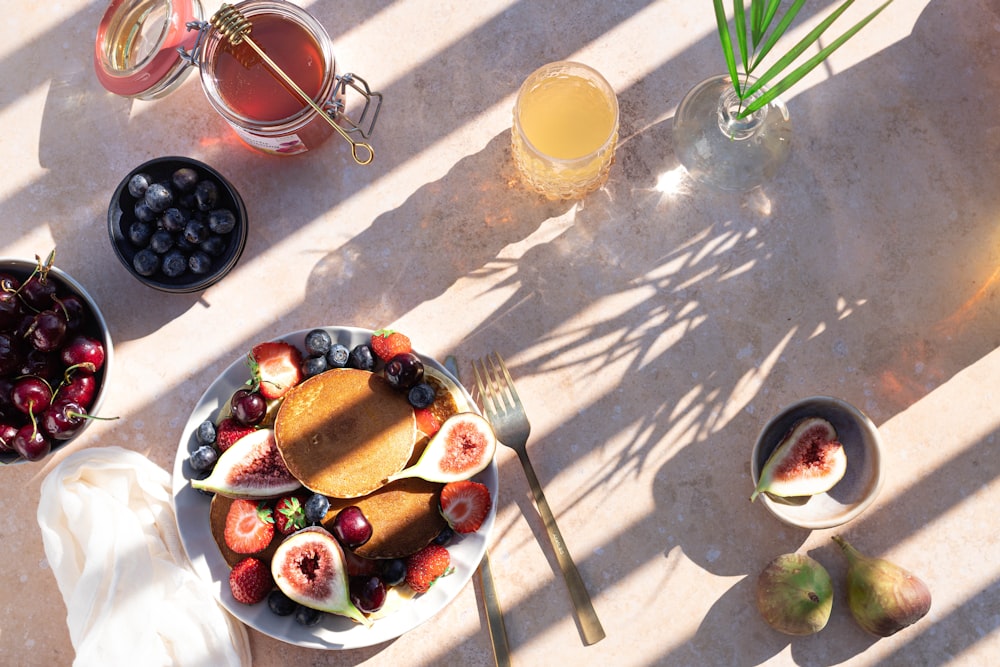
[(177, 225)]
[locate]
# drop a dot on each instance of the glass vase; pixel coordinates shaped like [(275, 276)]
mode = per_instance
[(718, 148)]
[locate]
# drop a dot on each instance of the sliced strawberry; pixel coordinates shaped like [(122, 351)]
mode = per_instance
[(250, 581), (465, 505), (276, 367), (428, 423), (289, 515), (387, 343), (228, 432), (249, 526), (427, 566)]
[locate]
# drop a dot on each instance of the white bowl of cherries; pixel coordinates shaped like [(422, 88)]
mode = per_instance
[(55, 351)]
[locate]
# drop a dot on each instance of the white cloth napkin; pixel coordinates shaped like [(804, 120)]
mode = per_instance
[(110, 536)]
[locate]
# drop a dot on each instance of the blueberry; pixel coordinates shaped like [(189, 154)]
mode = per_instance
[(214, 245), (314, 365), (139, 233), (138, 183), (184, 179), (182, 244), (205, 433), (159, 197), (393, 571), (307, 617), (199, 263), (221, 221), (174, 264), (206, 194), (280, 604), (146, 262), (337, 355), (204, 458), (143, 212), (161, 241), (318, 341), (421, 395), (444, 537), (195, 232), (173, 219), (188, 201), (316, 507), (361, 357)]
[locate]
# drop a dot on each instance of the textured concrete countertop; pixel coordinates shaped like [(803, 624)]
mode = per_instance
[(652, 328)]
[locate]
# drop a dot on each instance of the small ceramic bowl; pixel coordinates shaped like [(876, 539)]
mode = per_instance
[(223, 254), (860, 484), (93, 326)]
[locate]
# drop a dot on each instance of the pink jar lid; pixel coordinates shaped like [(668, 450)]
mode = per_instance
[(135, 53)]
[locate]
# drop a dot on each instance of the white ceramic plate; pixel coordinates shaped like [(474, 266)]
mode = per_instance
[(333, 632)]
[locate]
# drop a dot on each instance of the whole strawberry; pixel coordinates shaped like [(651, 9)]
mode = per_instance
[(387, 343), (250, 581), (289, 515), (427, 566)]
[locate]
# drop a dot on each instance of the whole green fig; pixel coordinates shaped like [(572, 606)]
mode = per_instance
[(795, 594), (883, 597)]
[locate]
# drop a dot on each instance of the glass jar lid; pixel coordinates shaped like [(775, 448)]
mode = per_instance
[(138, 51)]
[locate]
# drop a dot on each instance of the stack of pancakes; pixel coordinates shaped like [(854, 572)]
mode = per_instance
[(342, 433)]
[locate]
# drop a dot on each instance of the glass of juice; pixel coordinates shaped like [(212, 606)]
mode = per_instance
[(565, 130)]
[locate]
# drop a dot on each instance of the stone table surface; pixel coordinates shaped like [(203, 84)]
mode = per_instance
[(652, 327)]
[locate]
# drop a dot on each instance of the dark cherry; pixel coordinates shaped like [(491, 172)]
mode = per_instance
[(11, 310), (404, 370), (248, 407), (30, 443), (7, 434), (72, 310), (37, 291), (7, 408), (42, 364), (9, 283), (30, 395), (351, 527), (85, 352), (367, 593), (10, 355), (80, 389), (48, 331), (63, 419)]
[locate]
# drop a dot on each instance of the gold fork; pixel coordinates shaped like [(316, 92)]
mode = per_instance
[(491, 601), (505, 412)]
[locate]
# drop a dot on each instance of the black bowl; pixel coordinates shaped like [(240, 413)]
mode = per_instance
[(121, 215), (94, 326)]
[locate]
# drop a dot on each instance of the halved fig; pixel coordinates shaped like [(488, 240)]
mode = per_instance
[(251, 468), (309, 568), (809, 460), (464, 446)]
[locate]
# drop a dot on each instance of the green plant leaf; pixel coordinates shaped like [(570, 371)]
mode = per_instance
[(756, 16), (727, 44), (740, 21), (796, 75), (798, 49), (779, 30), (772, 9)]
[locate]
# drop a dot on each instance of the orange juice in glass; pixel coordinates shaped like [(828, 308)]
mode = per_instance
[(565, 130)]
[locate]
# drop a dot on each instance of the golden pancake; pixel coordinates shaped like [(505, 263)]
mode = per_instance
[(343, 432), (404, 516)]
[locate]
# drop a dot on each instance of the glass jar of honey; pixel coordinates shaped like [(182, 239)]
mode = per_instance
[(266, 66)]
